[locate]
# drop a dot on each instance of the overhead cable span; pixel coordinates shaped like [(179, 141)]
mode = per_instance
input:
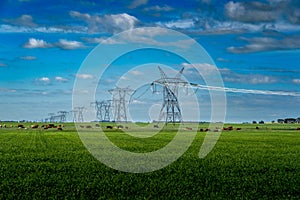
[(245, 91)]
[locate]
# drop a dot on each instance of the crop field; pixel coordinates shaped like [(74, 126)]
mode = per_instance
[(250, 163)]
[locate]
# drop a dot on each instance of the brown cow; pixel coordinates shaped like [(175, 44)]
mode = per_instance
[(21, 126), (35, 126)]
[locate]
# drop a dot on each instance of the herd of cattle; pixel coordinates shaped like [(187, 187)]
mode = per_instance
[(60, 127), (34, 126)]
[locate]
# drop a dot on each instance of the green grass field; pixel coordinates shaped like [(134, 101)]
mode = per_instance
[(245, 164)]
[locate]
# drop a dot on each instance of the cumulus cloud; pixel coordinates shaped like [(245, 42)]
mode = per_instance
[(251, 11), (28, 58), (36, 43), (137, 3), (259, 44), (296, 80), (24, 20), (181, 24), (69, 44), (84, 76), (62, 44), (43, 81), (61, 79), (106, 23)]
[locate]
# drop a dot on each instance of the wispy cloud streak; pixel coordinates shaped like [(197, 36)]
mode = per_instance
[(246, 91)]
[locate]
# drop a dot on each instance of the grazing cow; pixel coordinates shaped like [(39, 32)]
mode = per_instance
[(88, 126), (21, 126), (201, 130), (207, 129), (51, 126), (97, 125), (11, 126), (4, 125), (238, 129), (120, 127), (59, 128), (109, 127), (155, 126), (188, 128), (35, 126), (81, 126), (0, 126), (257, 127), (298, 129)]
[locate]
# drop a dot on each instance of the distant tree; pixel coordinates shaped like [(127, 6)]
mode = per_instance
[(273, 121), (254, 122), (281, 121), (290, 120), (261, 122)]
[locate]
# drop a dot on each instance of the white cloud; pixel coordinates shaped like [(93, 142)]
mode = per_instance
[(69, 44), (137, 3), (103, 40), (251, 12), (230, 76), (62, 44), (144, 36), (157, 8), (259, 44), (182, 24), (28, 58), (42, 81), (84, 76), (296, 80), (7, 90), (106, 23), (136, 72), (204, 68), (61, 79), (24, 20), (36, 43)]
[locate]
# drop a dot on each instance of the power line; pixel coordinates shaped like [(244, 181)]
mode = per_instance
[(120, 103)]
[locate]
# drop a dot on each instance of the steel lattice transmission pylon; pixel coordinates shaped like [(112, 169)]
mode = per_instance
[(74, 115), (62, 116), (79, 113), (103, 112), (170, 107), (120, 104)]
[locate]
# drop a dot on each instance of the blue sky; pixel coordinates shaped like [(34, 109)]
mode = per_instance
[(254, 44)]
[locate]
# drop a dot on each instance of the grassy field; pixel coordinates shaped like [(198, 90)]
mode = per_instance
[(251, 163)]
